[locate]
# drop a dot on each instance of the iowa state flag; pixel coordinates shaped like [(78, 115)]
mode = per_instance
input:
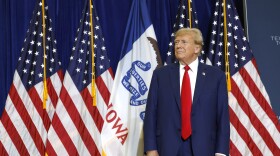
[(122, 132)]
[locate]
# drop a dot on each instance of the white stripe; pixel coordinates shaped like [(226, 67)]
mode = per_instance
[(71, 130), (244, 119), (239, 142), (7, 142), (257, 109), (56, 143), (57, 84), (82, 109), (108, 80), (250, 68), (20, 127)]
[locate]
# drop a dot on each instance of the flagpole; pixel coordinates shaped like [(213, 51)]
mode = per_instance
[(190, 15), (45, 91), (226, 48), (93, 92)]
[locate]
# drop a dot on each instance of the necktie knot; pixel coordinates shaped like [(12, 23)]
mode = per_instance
[(187, 67)]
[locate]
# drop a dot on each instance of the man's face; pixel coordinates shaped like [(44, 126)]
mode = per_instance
[(186, 51)]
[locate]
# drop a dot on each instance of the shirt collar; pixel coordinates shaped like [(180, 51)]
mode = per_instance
[(193, 66)]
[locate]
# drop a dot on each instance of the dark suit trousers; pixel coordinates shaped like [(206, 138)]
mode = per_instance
[(186, 148)]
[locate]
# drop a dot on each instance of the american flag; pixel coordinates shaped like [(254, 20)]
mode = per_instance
[(77, 124), (254, 128), (24, 123), (182, 21)]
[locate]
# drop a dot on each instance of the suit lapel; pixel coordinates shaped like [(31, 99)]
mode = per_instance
[(175, 82), (200, 79)]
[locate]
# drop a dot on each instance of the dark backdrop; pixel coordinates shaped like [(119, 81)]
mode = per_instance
[(264, 36), (16, 14)]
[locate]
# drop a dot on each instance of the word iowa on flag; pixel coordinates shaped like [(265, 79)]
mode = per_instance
[(123, 130), (254, 126), (27, 115), (84, 99)]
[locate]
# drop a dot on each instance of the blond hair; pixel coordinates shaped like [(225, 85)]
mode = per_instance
[(194, 32)]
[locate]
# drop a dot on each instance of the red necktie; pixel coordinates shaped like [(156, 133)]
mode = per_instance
[(186, 105)]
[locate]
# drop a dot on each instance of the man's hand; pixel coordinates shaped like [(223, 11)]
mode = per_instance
[(152, 153)]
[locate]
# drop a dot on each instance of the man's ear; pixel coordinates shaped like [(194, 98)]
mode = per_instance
[(197, 49)]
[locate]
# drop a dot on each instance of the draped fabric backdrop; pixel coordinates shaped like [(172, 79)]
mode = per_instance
[(65, 14)]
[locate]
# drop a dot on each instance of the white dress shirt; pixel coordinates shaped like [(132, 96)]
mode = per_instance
[(192, 74)]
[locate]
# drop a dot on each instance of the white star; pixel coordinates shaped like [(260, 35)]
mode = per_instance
[(32, 72), (103, 48), (40, 75), (42, 65), (34, 63), (102, 57), (244, 38), (52, 60), (97, 27), (36, 53), (71, 57), (182, 16), (39, 44), (95, 37), (216, 13), (235, 65), (214, 32), (32, 42), (78, 70), (84, 81), (218, 63), (51, 69), (24, 70), (101, 67), (41, 34), (168, 53), (243, 58), (29, 51), (215, 23), (27, 61), (220, 53), (80, 60), (243, 48), (29, 82)]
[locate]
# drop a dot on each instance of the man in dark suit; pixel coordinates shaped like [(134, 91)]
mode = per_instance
[(207, 114)]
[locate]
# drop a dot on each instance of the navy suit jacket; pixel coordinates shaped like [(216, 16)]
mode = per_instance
[(209, 115)]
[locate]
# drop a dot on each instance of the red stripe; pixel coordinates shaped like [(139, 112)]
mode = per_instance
[(259, 97), (63, 136), (3, 151), (233, 150), (111, 72), (38, 104), (95, 114), (52, 92), (19, 105), (79, 123), (105, 93), (254, 119), (242, 131), (13, 133), (49, 149)]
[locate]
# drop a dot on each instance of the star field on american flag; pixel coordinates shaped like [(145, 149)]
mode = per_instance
[(80, 61), (239, 52), (182, 21), (31, 61)]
